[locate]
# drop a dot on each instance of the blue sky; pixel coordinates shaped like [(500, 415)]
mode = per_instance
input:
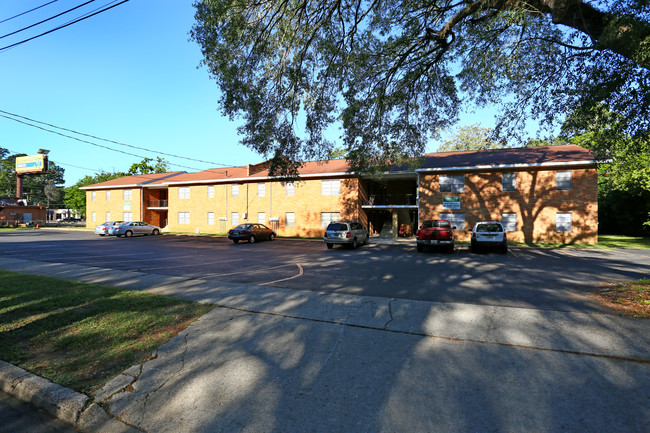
[(129, 75)]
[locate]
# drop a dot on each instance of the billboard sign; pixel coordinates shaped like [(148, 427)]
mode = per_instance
[(31, 164)]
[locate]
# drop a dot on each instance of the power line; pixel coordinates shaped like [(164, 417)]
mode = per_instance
[(26, 12), (104, 139), (62, 26), (46, 20)]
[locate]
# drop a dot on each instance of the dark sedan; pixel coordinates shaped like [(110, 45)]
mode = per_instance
[(250, 232)]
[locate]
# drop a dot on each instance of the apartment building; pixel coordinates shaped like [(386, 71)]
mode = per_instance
[(541, 194)]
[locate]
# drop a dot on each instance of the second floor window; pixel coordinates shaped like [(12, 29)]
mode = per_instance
[(211, 191), (184, 192), (261, 189), (127, 194), (509, 182), (563, 180), (452, 183), (330, 187)]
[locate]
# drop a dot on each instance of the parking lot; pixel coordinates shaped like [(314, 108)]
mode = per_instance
[(547, 278)]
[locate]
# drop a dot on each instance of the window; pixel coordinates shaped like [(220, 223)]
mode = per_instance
[(261, 189), (93, 217), (127, 216), (509, 182), (234, 217), (509, 221), (330, 187), (108, 195), (290, 188), (290, 219), (127, 194), (211, 191), (210, 218), (563, 180), (108, 216), (234, 190), (183, 217), (563, 222), (261, 217), (456, 219), (452, 183), (183, 192), (93, 195), (328, 217)]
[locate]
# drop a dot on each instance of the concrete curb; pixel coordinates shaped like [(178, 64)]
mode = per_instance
[(63, 403)]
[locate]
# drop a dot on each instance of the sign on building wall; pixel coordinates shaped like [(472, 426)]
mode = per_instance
[(31, 164), (451, 202)]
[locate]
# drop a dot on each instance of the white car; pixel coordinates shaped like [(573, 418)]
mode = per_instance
[(489, 234), (102, 229)]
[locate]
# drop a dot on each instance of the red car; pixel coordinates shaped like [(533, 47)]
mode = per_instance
[(435, 233)]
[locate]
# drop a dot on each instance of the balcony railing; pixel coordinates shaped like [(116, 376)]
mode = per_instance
[(391, 200), (158, 203)]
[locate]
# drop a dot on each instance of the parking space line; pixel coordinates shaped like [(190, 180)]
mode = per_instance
[(300, 274)]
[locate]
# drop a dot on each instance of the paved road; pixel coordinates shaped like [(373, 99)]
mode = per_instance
[(16, 417), (545, 278)]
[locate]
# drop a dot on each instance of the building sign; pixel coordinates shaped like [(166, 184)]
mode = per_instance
[(451, 202), (31, 164)]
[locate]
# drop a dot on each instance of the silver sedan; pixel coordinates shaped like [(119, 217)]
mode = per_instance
[(102, 229), (131, 228)]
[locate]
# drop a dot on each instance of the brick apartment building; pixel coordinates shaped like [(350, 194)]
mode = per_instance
[(541, 194)]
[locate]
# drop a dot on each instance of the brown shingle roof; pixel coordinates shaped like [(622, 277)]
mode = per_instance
[(135, 180)]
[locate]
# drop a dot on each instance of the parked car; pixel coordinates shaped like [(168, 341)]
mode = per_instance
[(102, 229), (251, 232), (434, 233), (350, 233), (489, 234), (130, 228)]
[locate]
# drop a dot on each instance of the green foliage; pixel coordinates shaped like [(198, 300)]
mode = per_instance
[(34, 185), (392, 75), (472, 137), (146, 166), (75, 198)]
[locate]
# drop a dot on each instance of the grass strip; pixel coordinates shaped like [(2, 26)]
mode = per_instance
[(81, 335)]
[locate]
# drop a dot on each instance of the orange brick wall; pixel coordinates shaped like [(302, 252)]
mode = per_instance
[(115, 204), (535, 201)]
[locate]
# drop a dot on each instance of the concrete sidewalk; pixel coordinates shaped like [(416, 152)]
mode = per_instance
[(271, 359)]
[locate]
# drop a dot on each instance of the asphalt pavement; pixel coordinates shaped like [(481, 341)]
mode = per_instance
[(270, 359)]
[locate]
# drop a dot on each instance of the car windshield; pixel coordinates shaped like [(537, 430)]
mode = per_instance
[(243, 227), (436, 224), (337, 227), (488, 228)]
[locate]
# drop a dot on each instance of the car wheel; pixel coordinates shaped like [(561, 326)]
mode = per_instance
[(155, 232), (473, 249), (504, 250), (354, 244), (102, 235), (271, 237), (235, 241), (329, 246), (128, 233), (450, 249), (251, 239), (367, 239), (420, 248)]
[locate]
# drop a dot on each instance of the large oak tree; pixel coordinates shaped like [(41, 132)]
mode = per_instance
[(393, 74)]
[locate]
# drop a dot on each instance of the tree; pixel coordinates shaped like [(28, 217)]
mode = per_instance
[(34, 185), (147, 167), (393, 74), (472, 137)]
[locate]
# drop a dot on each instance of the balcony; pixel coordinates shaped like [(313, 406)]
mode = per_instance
[(390, 201), (158, 204)]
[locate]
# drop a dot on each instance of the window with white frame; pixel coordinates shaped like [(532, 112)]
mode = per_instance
[(108, 216), (183, 192), (509, 182), (563, 180), (127, 216), (261, 217), (127, 194), (455, 219), (290, 188), (211, 191), (290, 219), (93, 217), (234, 218), (563, 222), (108, 195), (455, 183), (183, 217), (330, 187), (328, 217), (509, 221), (234, 190), (93, 195), (261, 189), (210, 218)]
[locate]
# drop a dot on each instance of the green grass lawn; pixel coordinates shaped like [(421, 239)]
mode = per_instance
[(604, 242), (81, 335)]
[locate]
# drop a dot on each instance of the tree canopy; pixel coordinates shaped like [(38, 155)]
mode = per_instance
[(38, 188), (393, 74), (470, 137)]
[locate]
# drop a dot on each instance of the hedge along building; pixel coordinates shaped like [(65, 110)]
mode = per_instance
[(542, 194)]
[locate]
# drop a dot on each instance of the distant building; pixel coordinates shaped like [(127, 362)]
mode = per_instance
[(541, 194), (15, 211)]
